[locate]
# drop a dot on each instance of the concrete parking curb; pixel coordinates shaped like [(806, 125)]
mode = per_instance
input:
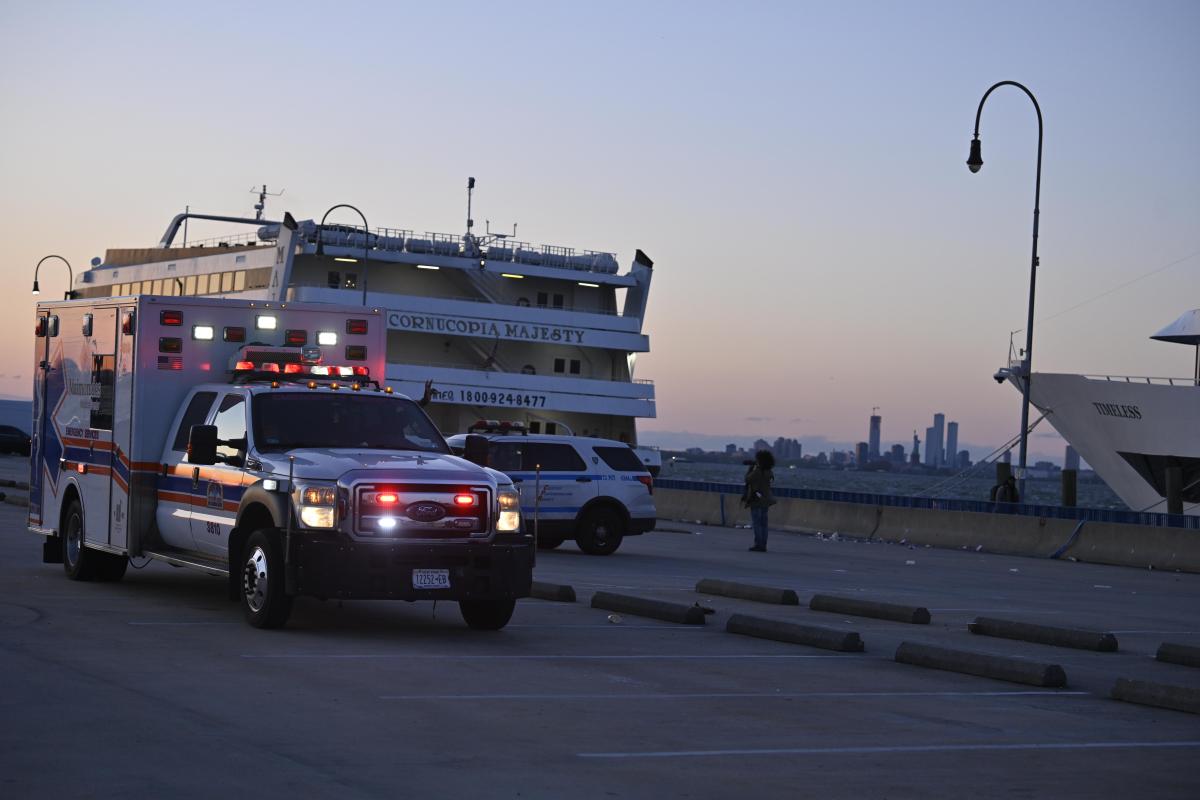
[(746, 591), (914, 615), (645, 607), (1160, 695), (811, 635), (1077, 638), (1185, 654), (985, 665), (552, 591)]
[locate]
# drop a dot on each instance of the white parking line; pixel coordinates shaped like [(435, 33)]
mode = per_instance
[(720, 695), (183, 623), (931, 748), (530, 657)]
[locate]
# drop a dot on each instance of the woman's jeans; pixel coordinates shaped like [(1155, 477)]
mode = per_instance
[(758, 518)]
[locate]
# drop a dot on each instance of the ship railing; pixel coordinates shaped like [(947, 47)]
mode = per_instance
[(240, 240), (400, 240), (1143, 379), (1115, 515)]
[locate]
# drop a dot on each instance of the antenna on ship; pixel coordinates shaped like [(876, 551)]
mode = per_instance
[(470, 191), (263, 194)]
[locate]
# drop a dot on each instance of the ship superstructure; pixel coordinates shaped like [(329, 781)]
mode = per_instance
[(504, 329)]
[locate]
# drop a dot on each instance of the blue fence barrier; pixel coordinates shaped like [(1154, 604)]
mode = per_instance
[(946, 504)]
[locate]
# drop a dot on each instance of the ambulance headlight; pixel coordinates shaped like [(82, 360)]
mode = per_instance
[(317, 506), (509, 519)]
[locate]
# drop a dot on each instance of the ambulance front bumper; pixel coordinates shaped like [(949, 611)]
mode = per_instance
[(345, 568)]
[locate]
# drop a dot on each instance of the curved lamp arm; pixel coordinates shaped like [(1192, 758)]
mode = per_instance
[(70, 273), (366, 238)]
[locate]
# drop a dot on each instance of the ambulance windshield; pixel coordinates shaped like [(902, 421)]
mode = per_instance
[(292, 420)]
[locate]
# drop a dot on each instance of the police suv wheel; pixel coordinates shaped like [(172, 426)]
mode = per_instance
[(600, 532), (487, 615), (78, 562), (264, 602)]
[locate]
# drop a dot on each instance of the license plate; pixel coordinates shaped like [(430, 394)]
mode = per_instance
[(431, 579)]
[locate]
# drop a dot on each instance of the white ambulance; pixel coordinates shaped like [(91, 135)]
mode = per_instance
[(255, 441)]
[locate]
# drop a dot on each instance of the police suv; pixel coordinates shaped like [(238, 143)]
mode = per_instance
[(595, 491), (250, 440)]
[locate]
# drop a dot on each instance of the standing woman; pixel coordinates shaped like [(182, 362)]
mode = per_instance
[(758, 496)]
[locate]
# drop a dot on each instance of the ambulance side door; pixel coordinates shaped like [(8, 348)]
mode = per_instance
[(214, 511)]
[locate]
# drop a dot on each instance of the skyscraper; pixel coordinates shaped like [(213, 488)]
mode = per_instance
[(952, 444), (937, 446), (861, 454), (1071, 459), (932, 448), (873, 439)]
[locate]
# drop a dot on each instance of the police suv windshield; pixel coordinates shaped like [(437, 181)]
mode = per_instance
[(291, 420)]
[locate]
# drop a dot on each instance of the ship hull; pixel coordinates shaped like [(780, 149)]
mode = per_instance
[(1128, 431)]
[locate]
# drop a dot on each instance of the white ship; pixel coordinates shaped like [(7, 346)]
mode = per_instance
[(1130, 429), (504, 329)]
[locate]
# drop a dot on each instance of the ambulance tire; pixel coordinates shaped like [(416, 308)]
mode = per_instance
[(265, 604), (79, 562), (600, 532), (111, 567), (487, 615), (549, 542)]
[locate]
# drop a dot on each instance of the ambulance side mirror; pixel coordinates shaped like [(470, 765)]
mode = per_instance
[(476, 450), (202, 444)]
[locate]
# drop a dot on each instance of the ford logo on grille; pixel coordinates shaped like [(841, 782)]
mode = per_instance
[(426, 511)]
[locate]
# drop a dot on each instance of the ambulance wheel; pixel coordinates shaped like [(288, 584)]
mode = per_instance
[(549, 542), (111, 567), (80, 563), (487, 615), (264, 602), (600, 532)]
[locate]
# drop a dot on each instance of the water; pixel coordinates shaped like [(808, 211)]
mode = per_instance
[(1091, 494)]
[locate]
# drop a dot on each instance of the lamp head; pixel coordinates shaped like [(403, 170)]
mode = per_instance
[(975, 160), (36, 290)]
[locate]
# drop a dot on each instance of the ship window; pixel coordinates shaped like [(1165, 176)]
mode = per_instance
[(551, 428), (239, 280), (541, 298), (351, 281), (209, 283), (535, 427), (528, 369), (189, 285), (334, 280), (523, 302), (226, 281), (574, 366), (156, 288), (558, 301), (560, 365)]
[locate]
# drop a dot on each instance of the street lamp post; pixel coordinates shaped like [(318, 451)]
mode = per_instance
[(70, 275), (975, 163), (366, 240)]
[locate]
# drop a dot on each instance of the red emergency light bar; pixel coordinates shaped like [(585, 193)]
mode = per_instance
[(356, 326), (170, 318), (292, 368)]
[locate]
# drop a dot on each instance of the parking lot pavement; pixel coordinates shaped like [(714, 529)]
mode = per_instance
[(155, 687)]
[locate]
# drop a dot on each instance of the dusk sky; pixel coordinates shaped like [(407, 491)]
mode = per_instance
[(795, 170)]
